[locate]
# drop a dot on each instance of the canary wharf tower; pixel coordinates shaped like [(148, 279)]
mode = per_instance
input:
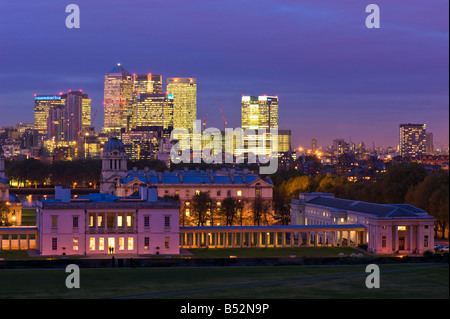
[(118, 100)]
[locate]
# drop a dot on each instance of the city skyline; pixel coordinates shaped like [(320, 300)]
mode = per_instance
[(320, 60)]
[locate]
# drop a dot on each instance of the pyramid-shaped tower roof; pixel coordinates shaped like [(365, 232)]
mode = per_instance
[(119, 69)]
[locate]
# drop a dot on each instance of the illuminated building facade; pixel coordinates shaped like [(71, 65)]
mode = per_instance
[(77, 114), (118, 100), (412, 140), (42, 106), (184, 92)]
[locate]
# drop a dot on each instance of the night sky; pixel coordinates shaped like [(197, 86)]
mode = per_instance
[(335, 78)]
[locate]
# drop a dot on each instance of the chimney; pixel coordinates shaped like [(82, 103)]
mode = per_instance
[(62, 193)]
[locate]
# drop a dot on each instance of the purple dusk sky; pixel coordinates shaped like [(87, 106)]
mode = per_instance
[(335, 78)]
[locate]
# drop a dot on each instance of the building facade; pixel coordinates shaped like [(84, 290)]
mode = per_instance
[(42, 106), (102, 224), (184, 92), (386, 229), (118, 100), (412, 140)]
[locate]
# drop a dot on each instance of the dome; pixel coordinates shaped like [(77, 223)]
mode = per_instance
[(114, 144)]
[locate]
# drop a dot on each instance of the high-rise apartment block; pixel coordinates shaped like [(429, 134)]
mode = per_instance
[(412, 140), (259, 112), (42, 106)]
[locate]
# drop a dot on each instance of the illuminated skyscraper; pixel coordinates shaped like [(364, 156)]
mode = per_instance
[(118, 100), (259, 112), (147, 83), (184, 91), (42, 106), (77, 114), (150, 109), (412, 140)]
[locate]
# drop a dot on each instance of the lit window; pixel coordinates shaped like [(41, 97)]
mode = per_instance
[(130, 243), (92, 243), (401, 227), (146, 242), (167, 242), (54, 221), (121, 243), (101, 243), (75, 243), (100, 220), (129, 220), (342, 220), (187, 211), (239, 193), (197, 192), (91, 220), (119, 221)]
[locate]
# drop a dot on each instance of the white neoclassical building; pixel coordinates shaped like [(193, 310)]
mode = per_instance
[(387, 229), (102, 224)]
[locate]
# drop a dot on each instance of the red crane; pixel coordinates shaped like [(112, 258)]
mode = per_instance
[(223, 117), (204, 121)]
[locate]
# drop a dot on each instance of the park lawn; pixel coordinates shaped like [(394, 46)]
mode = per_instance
[(274, 252), (282, 282)]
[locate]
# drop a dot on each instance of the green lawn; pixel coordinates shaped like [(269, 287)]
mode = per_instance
[(282, 282)]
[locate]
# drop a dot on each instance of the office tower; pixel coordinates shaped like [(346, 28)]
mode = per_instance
[(412, 139), (284, 141), (429, 148), (118, 100), (150, 109), (259, 112), (55, 123), (168, 111), (147, 83), (184, 91), (42, 106), (77, 115)]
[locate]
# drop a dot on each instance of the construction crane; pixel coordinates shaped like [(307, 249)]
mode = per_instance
[(204, 121), (223, 117)]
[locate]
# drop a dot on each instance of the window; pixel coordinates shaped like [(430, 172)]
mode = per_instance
[(54, 221), (166, 192), (146, 221), (401, 228), (100, 220), (218, 193), (75, 243), (239, 193), (130, 243), (383, 227), (167, 242), (54, 243), (425, 226), (177, 192), (383, 241), (187, 192), (119, 221), (121, 243), (146, 242), (92, 243), (197, 192), (129, 221), (166, 221), (228, 193), (258, 192), (75, 221), (425, 241), (101, 243), (91, 220), (187, 211)]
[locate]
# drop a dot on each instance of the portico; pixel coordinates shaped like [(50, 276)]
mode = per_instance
[(272, 236)]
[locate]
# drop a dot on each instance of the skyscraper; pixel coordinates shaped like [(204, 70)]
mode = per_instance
[(412, 139), (429, 149), (118, 100), (184, 92), (77, 115), (259, 112), (42, 106)]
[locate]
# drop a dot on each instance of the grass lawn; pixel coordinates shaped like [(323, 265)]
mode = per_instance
[(282, 282)]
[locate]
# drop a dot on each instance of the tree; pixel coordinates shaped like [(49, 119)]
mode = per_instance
[(229, 209), (201, 204), (260, 210), (4, 211)]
